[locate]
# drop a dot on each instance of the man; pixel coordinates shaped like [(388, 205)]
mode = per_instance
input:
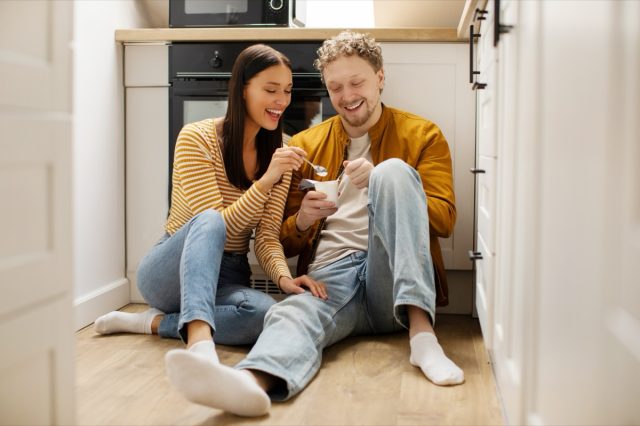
[(376, 251)]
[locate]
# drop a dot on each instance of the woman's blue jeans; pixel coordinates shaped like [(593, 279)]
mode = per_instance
[(368, 291), (188, 276)]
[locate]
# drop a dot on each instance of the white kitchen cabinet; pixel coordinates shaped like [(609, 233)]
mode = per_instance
[(431, 80), (487, 167), (560, 309), (147, 153)]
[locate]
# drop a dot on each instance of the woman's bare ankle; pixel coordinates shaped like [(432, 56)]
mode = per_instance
[(264, 380)]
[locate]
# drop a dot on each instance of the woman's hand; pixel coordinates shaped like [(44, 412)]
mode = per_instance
[(295, 286), (283, 160)]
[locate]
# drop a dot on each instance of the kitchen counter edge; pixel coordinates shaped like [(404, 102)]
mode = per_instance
[(168, 35)]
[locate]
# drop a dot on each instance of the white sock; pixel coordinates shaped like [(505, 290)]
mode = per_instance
[(427, 354), (127, 322), (206, 348), (215, 385)]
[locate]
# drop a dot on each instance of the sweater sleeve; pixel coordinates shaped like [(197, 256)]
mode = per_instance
[(293, 240), (268, 248), (435, 170), (196, 168)]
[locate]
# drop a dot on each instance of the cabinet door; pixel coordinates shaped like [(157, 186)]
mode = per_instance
[(486, 160), (508, 301), (485, 244), (621, 383), (431, 80), (36, 363)]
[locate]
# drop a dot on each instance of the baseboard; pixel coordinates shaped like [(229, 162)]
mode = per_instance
[(108, 298), (134, 293)]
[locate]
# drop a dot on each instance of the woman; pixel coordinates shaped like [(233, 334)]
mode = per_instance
[(230, 176)]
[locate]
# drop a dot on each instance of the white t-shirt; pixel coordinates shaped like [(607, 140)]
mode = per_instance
[(347, 230)]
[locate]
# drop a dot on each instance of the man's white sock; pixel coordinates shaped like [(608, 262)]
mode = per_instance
[(427, 354), (215, 385), (127, 322), (205, 348)]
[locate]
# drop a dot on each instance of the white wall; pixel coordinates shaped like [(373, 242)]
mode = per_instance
[(339, 14), (98, 156)]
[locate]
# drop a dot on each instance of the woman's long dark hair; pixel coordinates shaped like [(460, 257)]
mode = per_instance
[(251, 61)]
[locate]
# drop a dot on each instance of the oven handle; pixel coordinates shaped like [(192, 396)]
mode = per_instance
[(227, 75)]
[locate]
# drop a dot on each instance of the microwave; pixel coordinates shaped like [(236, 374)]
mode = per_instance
[(228, 13)]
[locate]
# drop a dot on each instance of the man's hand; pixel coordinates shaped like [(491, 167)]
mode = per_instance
[(295, 286), (358, 171), (314, 207)]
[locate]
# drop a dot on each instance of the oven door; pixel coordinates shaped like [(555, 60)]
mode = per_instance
[(193, 100), (218, 13)]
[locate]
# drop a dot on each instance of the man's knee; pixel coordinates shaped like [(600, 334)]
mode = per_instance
[(392, 171)]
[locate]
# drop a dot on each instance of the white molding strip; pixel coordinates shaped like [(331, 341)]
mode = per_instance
[(108, 298)]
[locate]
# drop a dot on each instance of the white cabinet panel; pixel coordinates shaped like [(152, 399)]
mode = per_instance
[(431, 80), (484, 291), (146, 65), (147, 173), (486, 193)]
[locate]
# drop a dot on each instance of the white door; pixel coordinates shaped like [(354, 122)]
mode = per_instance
[(36, 327), (622, 296)]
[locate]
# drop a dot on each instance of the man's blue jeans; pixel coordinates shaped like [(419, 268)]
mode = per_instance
[(188, 276), (368, 291)]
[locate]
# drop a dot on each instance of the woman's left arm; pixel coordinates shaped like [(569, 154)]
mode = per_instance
[(268, 248)]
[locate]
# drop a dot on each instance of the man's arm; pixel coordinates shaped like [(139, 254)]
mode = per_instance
[(435, 171)]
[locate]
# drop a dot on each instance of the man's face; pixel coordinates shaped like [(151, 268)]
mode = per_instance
[(354, 88)]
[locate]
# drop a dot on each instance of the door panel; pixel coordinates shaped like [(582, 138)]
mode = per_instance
[(36, 365)]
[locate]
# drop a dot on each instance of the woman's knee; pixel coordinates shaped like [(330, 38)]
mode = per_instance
[(210, 222)]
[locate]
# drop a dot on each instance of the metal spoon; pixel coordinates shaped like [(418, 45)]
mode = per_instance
[(320, 171)]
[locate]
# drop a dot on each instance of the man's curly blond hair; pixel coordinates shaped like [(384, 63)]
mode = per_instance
[(349, 43)]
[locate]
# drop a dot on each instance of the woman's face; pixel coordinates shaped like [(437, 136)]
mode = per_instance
[(267, 95)]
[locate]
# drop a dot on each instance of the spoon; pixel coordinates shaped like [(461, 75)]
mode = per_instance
[(320, 171)]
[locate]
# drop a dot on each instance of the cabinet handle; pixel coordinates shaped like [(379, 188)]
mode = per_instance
[(473, 72), (498, 28), (476, 171), (481, 13), (474, 255), (472, 38)]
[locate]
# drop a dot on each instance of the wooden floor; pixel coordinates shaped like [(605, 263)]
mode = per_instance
[(121, 380)]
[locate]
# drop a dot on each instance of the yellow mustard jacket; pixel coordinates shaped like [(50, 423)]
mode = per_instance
[(398, 134)]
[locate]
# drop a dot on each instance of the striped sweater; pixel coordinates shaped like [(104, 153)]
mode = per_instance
[(200, 183)]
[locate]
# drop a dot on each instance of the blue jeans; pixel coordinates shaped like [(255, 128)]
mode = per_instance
[(188, 276), (368, 291)]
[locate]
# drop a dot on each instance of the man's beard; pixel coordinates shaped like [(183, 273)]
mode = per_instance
[(357, 121)]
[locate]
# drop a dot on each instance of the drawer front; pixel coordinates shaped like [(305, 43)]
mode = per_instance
[(487, 202)]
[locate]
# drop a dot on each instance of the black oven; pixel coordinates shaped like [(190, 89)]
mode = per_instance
[(200, 73), (224, 13)]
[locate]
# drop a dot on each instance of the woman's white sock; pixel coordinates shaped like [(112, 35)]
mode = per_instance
[(205, 348), (127, 322), (215, 385), (427, 354)]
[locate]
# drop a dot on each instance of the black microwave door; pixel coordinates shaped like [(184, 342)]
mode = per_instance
[(215, 13)]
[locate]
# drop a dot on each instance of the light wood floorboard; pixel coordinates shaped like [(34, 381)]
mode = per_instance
[(121, 380)]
